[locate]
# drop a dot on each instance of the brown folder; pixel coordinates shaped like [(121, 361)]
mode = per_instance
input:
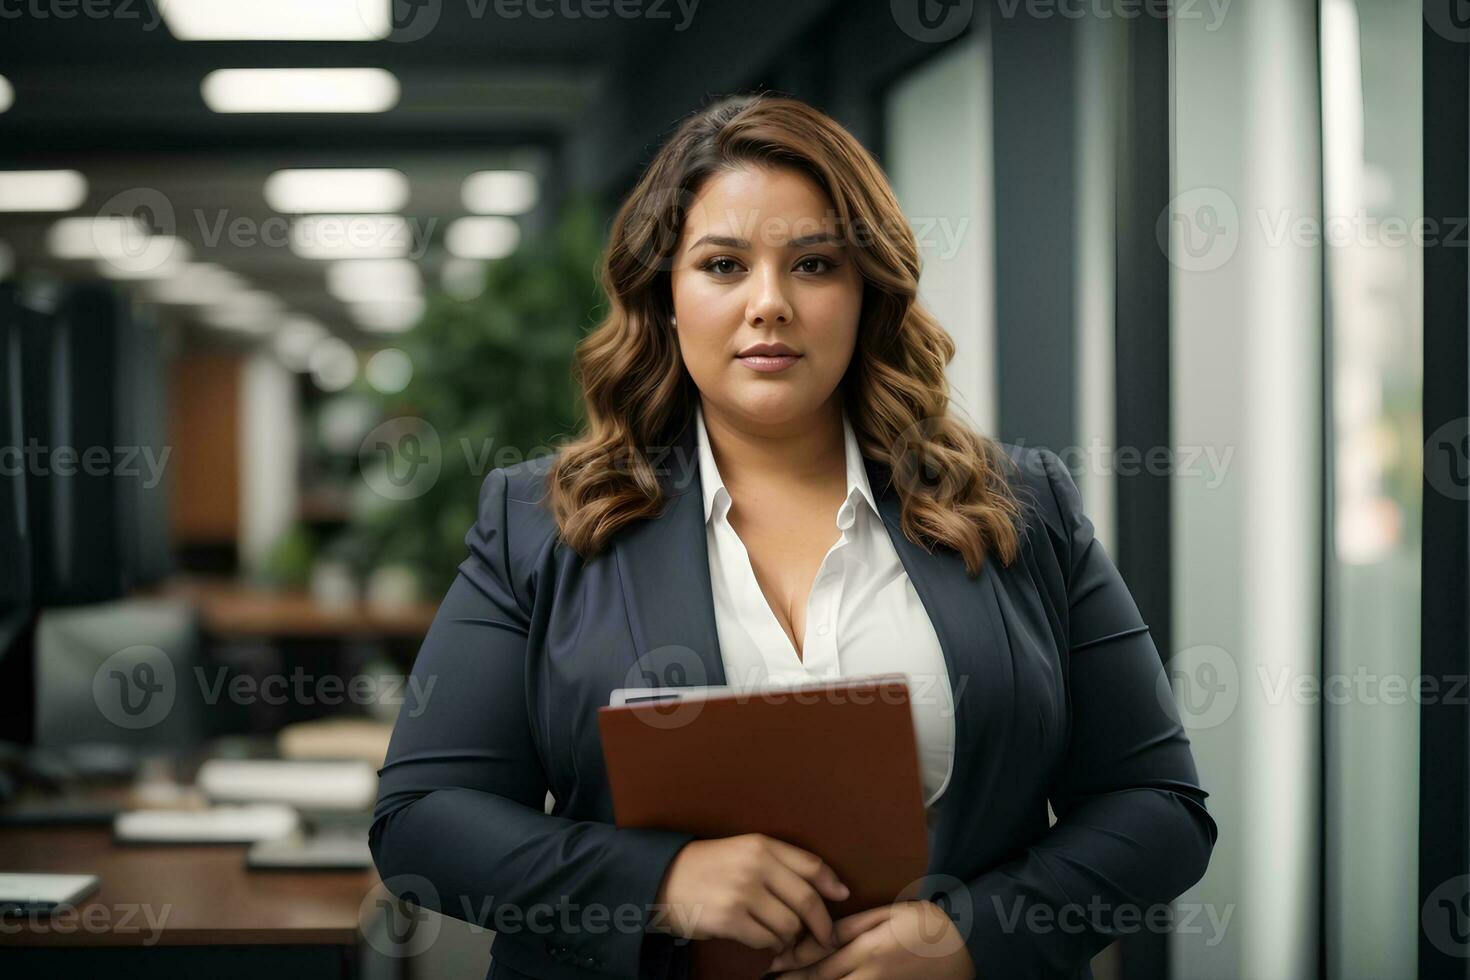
[(831, 768)]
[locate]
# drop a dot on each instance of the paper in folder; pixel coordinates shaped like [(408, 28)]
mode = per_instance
[(832, 768)]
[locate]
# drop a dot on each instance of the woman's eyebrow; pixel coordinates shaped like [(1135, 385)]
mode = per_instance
[(802, 241)]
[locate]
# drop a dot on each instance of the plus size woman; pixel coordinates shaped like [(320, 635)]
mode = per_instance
[(771, 489)]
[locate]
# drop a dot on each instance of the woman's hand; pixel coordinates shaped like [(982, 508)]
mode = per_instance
[(892, 942), (754, 889)]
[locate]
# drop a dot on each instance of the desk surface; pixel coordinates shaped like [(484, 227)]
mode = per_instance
[(231, 608), (179, 895)]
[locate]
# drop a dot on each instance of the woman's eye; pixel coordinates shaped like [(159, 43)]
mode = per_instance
[(720, 266), (811, 265)]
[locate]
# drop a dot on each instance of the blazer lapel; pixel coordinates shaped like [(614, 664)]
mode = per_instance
[(967, 619), (663, 565)]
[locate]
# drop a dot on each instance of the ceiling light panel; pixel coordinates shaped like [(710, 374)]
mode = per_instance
[(234, 90), (278, 20), (329, 191)]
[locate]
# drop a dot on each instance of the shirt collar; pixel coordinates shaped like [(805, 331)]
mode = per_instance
[(716, 496)]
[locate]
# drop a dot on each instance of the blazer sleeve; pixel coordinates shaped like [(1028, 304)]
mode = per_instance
[(1132, 830), (460, 821)]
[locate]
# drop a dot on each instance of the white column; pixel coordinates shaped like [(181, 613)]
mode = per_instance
[(938, 158), (1246, 352), (269, 446)]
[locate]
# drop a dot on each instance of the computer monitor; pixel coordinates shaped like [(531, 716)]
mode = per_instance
[(93, 407), (83, 474), (17, 618)]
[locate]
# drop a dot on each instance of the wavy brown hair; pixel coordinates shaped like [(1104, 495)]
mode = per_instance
[(638, 393)]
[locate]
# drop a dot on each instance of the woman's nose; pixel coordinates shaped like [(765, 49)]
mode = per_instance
[(768, 303)]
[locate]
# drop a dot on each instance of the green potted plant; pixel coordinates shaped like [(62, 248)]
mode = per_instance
[(492, 380)]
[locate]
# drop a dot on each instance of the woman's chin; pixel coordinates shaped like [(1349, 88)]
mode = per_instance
[(776, 406)]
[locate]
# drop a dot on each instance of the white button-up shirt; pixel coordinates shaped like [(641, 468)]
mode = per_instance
[(862, 617)]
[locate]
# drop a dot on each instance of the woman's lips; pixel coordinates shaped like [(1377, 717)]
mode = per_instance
[(769, 363)]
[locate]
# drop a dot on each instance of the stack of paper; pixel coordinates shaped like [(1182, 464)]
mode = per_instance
[(216, 825), (331, 785)]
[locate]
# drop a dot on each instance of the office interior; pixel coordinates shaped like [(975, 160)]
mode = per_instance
[(263, 334)]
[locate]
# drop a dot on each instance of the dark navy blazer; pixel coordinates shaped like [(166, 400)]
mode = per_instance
[(1060, 699)]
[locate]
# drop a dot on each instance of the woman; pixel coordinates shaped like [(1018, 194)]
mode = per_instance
[(770, 488)]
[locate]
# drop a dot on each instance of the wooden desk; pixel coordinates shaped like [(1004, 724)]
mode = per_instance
[(182, 911), (229, 608)]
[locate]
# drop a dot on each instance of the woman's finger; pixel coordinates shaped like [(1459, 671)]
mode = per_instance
[(804, 953), (848, 928), (772, 913), (811, 867), (801, 897), (851, 926), (834, 967), (750, 931)]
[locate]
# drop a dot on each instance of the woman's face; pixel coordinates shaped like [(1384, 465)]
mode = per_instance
[(759, 263)]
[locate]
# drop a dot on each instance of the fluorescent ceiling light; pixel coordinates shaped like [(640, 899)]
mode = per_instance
[(41, 190), (333, 364), (197, 284), (156, 257), (121, 247), (373, 280), (295, 339), (464, 279), (278, 20), (300, 90), (7, 94), (96, 238), (389, 371), (499, 192), (237, 321), (251, 312), (346, 236), (389, 316), (482, 238), (364, 190)]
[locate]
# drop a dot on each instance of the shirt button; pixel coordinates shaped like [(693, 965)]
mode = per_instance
[(824, 629)]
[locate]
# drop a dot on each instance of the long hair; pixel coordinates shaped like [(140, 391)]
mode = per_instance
[(638, 393)]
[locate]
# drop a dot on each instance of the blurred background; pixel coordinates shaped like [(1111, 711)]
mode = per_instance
[(281, 281)]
